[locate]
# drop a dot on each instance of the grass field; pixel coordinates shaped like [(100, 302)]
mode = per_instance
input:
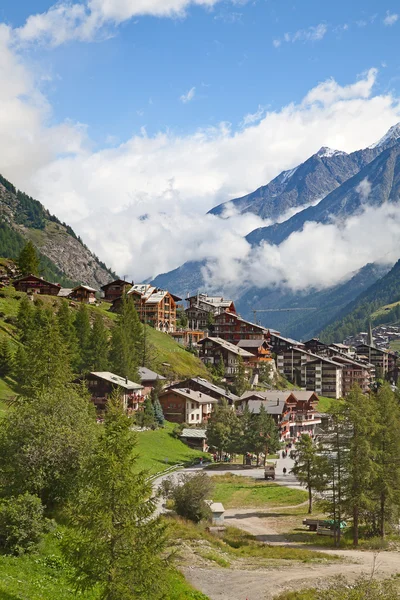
[(158, 450), (236, 491), (43, 575)]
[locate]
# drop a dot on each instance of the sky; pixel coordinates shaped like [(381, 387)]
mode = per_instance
[(130, 119)]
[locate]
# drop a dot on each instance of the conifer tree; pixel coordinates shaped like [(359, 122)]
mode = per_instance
[(240, 382), (148, 413), (28, 261), (221, 426), (6, 358), (43, 363), (99, 348), (127, 341), (309, 467), (154, 396), (67, 331), (386, 443), (115, 544), (25, 318), (83, 333)]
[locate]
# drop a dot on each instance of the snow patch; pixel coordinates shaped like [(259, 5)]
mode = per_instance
[(392, 134), (325, 151), (286, 175)]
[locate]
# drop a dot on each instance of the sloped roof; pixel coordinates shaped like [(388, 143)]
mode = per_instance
[(194, 433), (215, 388), (149, 375), (31, 276), (251, 343), (84, 287), (271, 407), (193, 395), (228, 346), (115, 282), (117, 380)]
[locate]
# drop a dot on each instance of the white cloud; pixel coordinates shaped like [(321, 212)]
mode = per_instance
[(390, 18), (312, 34), (255, 117), (141, 205), (84, 21), (188, 97), (364, 189)]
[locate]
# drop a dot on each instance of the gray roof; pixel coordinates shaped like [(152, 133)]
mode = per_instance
[(85, 287), (277, 395), (272, 407), (149, 375), (228, 346), (215, 388), (194, 433), (64, 292), (288, 340), (192, 395), (251, 343), (117, 380)]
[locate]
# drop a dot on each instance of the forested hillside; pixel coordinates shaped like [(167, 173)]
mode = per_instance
[(355, 316), (63, 256)]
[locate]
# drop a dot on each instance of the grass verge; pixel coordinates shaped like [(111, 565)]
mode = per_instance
[(236, 491)]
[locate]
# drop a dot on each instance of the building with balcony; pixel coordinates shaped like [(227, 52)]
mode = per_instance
[(216, 352), (183, 405), (203, 308), (232, 328), (324, 376)]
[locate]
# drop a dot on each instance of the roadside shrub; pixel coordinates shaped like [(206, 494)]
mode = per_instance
[(190, 495), (364, 588), (22, 523)]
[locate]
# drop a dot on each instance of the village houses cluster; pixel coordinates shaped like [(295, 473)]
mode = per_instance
[(224, 340)]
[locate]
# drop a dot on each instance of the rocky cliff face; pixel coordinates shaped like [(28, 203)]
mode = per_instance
[(29, 220)]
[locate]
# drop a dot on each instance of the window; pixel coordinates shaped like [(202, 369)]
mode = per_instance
[(197, 417), (192, 417)]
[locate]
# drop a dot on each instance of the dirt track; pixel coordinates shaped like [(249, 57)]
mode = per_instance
[(239, 584)]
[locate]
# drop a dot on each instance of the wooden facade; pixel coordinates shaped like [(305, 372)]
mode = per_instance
[(116, 289), (232, 328), (101, 385), (215, 351), (155, 307), (83, 293), (198, 384), (203, 308), (31, 284), (187, 337), (183, 405), (259, 349)]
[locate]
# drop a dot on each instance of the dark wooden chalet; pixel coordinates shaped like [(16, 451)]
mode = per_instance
[(102, 384), (83, 293), (116, 289), (31, 284)]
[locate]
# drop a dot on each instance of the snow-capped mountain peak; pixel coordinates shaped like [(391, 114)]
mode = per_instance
[(392, 135), (328, 152)]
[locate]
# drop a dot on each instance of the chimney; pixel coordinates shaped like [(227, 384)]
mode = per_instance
[(188, 390), (126, 380), (277, 402)]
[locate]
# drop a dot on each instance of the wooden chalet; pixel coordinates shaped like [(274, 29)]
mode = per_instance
[(116, 289), (203, 308), (148, 379), (83, 293), (232, 328), (102, 384), (31, 284), (155, 307), (215, 351), (187, 337), (199, 384), (260, 350), (183, 405)]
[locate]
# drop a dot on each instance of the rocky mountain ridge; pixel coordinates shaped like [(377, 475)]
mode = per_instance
[(68, 259)]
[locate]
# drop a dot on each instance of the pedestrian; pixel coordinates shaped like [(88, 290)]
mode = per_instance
[(284, 470)]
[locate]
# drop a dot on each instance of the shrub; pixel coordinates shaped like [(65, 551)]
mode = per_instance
[(22, 523), (190, 496)]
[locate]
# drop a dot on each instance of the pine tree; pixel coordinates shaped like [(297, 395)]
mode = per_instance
[(386, 444), (99, 349), (309, 467), (158, 411), (6, 358), (127, 341), (28, 261), (240, 382), (43, 363), (115, 544), (360, 460), (67, 331), (83, 333), (148, 413), (25, 318), (221, 428)]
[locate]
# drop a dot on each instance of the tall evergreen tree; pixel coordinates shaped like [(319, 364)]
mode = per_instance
[(309, 467), (127, 341), (67, 331), (360, 460), (386, 443), (221, 427), (83, 333), (99, 347), (6, 357), (43, 363), (25, 318), (155, 399), (240, 381), (28, 260), (115, 544)]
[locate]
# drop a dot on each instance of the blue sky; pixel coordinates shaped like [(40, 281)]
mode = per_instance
[(130, 119), (136, 77)]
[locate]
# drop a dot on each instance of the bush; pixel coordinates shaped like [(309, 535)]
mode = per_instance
[(364, 588), (22, 523), (190, 495)]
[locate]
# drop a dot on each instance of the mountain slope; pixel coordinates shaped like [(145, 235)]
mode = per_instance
[(309, 182), (383, 177), (64, 257), (305, 324), (355, 316)]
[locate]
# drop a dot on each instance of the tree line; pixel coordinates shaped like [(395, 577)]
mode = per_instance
[(354, 466)]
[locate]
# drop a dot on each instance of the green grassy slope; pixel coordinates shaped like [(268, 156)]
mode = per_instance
[(158, 450)]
